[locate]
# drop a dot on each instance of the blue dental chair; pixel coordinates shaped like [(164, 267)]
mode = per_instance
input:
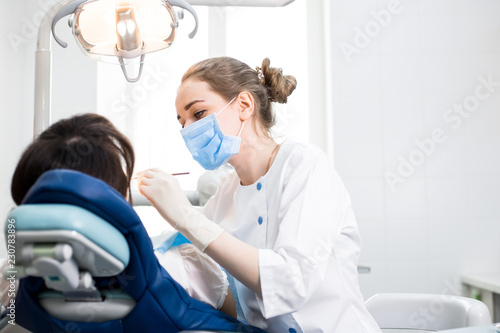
[(86, 264)]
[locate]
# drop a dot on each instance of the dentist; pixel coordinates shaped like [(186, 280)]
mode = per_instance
[(282, 224)]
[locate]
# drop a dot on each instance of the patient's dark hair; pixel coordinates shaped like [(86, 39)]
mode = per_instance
[(88, 143)]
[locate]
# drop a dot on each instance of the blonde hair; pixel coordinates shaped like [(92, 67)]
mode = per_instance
[(228, 77)]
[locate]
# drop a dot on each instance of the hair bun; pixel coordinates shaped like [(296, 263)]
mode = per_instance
[(279, 86)]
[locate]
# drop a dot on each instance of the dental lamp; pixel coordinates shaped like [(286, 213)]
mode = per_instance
[(114, 31), (110, 30)]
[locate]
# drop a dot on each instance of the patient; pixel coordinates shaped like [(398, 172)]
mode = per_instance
[(89, 143)]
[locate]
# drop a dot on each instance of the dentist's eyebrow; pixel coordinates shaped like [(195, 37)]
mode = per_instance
[(192, 103)]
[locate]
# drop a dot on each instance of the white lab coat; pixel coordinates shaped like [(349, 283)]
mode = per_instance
[(299, 216)]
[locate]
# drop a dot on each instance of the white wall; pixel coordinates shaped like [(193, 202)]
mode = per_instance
[(74, 78), (398, 85), (256, 33)]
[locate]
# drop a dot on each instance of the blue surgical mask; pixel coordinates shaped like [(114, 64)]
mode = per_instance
[(208, 145)]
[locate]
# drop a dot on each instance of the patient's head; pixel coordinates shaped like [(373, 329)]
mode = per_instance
[(88, 143)]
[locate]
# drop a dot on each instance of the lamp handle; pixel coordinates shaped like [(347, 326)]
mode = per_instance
[(124, 70), (66, 10), (184, 4)]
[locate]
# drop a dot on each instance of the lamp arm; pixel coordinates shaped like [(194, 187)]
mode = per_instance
[(43, 75), (187, 6), (69, 8)]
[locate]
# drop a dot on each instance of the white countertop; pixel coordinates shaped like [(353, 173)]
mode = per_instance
[(494, 328), (480, 329), (485, 281)]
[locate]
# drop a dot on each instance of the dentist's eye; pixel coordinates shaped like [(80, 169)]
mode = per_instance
[(181, 123), (199, 114)]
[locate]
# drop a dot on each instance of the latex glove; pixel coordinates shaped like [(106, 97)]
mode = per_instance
[(165, 194)]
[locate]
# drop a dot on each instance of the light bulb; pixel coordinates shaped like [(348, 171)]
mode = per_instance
[(129, 41)]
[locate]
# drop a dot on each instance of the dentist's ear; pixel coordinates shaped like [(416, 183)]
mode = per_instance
[(246, 105)]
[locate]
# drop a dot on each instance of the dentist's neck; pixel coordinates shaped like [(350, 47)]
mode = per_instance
[(252, 161)]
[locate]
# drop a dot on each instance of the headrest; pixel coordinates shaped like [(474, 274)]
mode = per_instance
[(96, 245), (62, 186), (79, 189)]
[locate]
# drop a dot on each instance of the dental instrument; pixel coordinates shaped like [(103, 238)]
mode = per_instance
[(173, 174)]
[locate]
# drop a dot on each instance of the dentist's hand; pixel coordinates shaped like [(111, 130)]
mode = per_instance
[(165, 194)]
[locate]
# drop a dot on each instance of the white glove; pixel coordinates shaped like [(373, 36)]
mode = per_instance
[(165, 194)]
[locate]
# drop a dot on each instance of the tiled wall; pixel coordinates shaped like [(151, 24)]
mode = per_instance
[(404, 82)]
